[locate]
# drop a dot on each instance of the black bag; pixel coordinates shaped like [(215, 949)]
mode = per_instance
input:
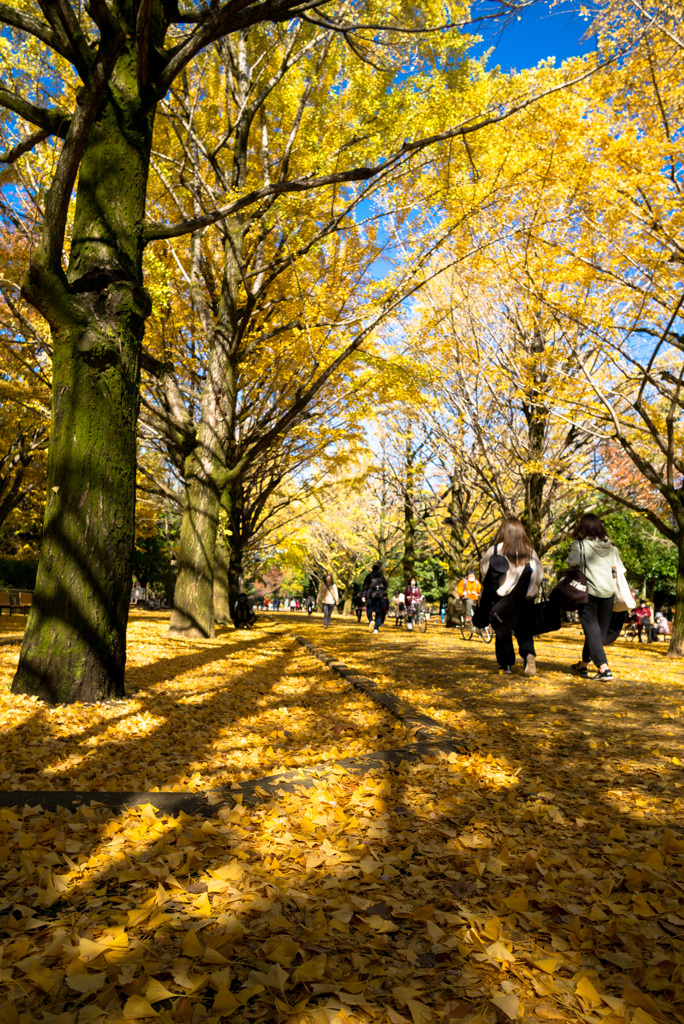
[(507, 610), (496, 570), (546, 617), (377, 588), (571, 590), (617, 621)]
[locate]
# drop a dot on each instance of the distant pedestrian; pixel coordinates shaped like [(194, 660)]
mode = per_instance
[(512, 542), (597, 557), (399, 607), (359, 605), (328, 598), (662, 624), (411, 600), (376, 598)]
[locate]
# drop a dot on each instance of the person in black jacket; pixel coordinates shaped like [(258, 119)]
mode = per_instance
[(375, 591)]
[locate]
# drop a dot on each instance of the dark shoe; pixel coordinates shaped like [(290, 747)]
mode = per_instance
[(580, 670), (606, 674)]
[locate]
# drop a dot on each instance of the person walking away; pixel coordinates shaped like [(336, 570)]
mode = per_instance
[(376, 599), (469, 590), (366, 587), (399, 608), (359, 605), (411, 600), (599, 559), (512, 542), (310, 604), (327, 598)]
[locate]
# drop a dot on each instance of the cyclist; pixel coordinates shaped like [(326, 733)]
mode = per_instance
[(469, 590), (411, 601)]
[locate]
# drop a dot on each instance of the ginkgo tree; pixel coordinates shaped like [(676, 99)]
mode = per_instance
[(93, 77)]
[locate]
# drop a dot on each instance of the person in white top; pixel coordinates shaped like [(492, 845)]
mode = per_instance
[(327, 598), (512, 542), (593, 552)]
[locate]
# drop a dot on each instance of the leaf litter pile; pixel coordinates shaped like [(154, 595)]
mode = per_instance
[(536, 876)]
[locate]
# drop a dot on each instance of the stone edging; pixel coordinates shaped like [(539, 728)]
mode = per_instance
[(427, 729), (253, 792), (433, 737)]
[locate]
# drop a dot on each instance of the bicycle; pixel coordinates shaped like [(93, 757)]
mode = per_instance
[(468, 630), (631, 631), (418, 616)]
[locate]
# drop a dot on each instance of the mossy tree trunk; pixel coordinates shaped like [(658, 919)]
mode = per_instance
[(677, 642), (222, 605), (409, 559), (74, 647), (207, 471)]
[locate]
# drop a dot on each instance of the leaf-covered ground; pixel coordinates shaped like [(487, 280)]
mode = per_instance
[(538, 876)]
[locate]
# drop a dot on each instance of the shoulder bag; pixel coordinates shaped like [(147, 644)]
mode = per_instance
[(623, 600)]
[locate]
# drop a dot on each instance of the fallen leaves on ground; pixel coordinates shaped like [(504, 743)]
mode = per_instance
[(239, 707), (504, 884)]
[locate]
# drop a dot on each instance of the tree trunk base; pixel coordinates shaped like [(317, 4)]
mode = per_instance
[(190, 632)]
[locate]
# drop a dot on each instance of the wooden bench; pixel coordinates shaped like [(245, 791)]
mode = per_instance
[(16, 601)]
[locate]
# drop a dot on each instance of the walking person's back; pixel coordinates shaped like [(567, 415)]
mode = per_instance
[(596, 556)]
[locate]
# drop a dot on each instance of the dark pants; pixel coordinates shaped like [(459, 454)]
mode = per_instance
[(595, 618), (523, 633), (377, 608), (647, 628), (327, 612)]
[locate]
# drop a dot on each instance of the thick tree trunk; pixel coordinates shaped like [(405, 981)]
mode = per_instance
[(234, 572), (409, 559), (677, 642), (206, 474), (455, 558), (75, 642), (193, 597), (222, 605)]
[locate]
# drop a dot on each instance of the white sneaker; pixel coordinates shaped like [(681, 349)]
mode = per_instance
[(371, 626), (409, 625), (376, 631), (530, 665)]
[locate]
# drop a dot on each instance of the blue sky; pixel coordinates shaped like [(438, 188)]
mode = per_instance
[(540, 33)]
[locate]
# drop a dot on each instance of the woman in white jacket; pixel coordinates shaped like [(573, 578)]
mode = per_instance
[(513, 543), (327, 598), (599, 559)]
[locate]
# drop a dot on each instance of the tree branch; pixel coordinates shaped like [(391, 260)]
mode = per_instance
[(160, 231), (54, 122)]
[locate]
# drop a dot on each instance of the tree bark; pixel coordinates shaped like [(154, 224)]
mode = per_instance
[(409, 559), (74, 647), (193, 597), (222, 603), (455, 557), (677, 642)]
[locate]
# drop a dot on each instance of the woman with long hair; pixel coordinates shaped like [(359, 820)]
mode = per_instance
[(593, 552), (512, 542), (328, 598)]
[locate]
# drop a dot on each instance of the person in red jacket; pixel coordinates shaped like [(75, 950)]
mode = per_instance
[(411, 601), (642, 613)]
